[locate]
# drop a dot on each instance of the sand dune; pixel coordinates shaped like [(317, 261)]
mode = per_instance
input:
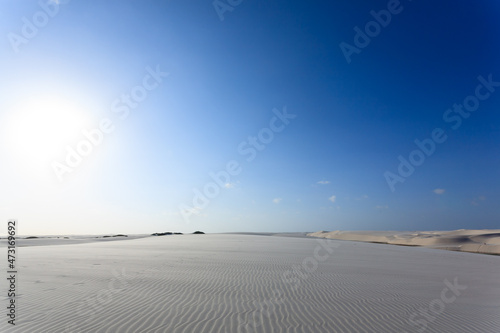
[(478, 241), (22, 241), (248, 283)]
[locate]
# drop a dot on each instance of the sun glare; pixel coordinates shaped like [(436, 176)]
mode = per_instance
[(40, 128)]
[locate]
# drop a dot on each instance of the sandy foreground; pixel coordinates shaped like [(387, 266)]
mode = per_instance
[(251, 283), (477, 241)]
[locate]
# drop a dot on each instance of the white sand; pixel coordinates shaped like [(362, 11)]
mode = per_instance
[(22, 241), (248, 283), (478, 241)]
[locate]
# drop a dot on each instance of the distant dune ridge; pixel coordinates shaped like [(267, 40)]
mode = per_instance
[(477, 241)]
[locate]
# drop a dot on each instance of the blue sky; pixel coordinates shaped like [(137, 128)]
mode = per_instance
[(168, 92)]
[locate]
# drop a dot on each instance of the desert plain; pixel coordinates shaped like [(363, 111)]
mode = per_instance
[(259, 282)]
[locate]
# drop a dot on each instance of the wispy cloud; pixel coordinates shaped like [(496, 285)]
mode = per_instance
[(323, 182), (475, 201), (195, 211), (363, 197), (439, 191), (277, 200), (332, 198), (380, 207), (229, 185)]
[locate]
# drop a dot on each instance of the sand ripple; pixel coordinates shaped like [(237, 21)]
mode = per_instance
[(245, 283)]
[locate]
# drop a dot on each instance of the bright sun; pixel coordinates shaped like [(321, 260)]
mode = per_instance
[(40, 128)]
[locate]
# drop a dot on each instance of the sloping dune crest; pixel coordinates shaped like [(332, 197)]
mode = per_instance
[(477, 241)]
